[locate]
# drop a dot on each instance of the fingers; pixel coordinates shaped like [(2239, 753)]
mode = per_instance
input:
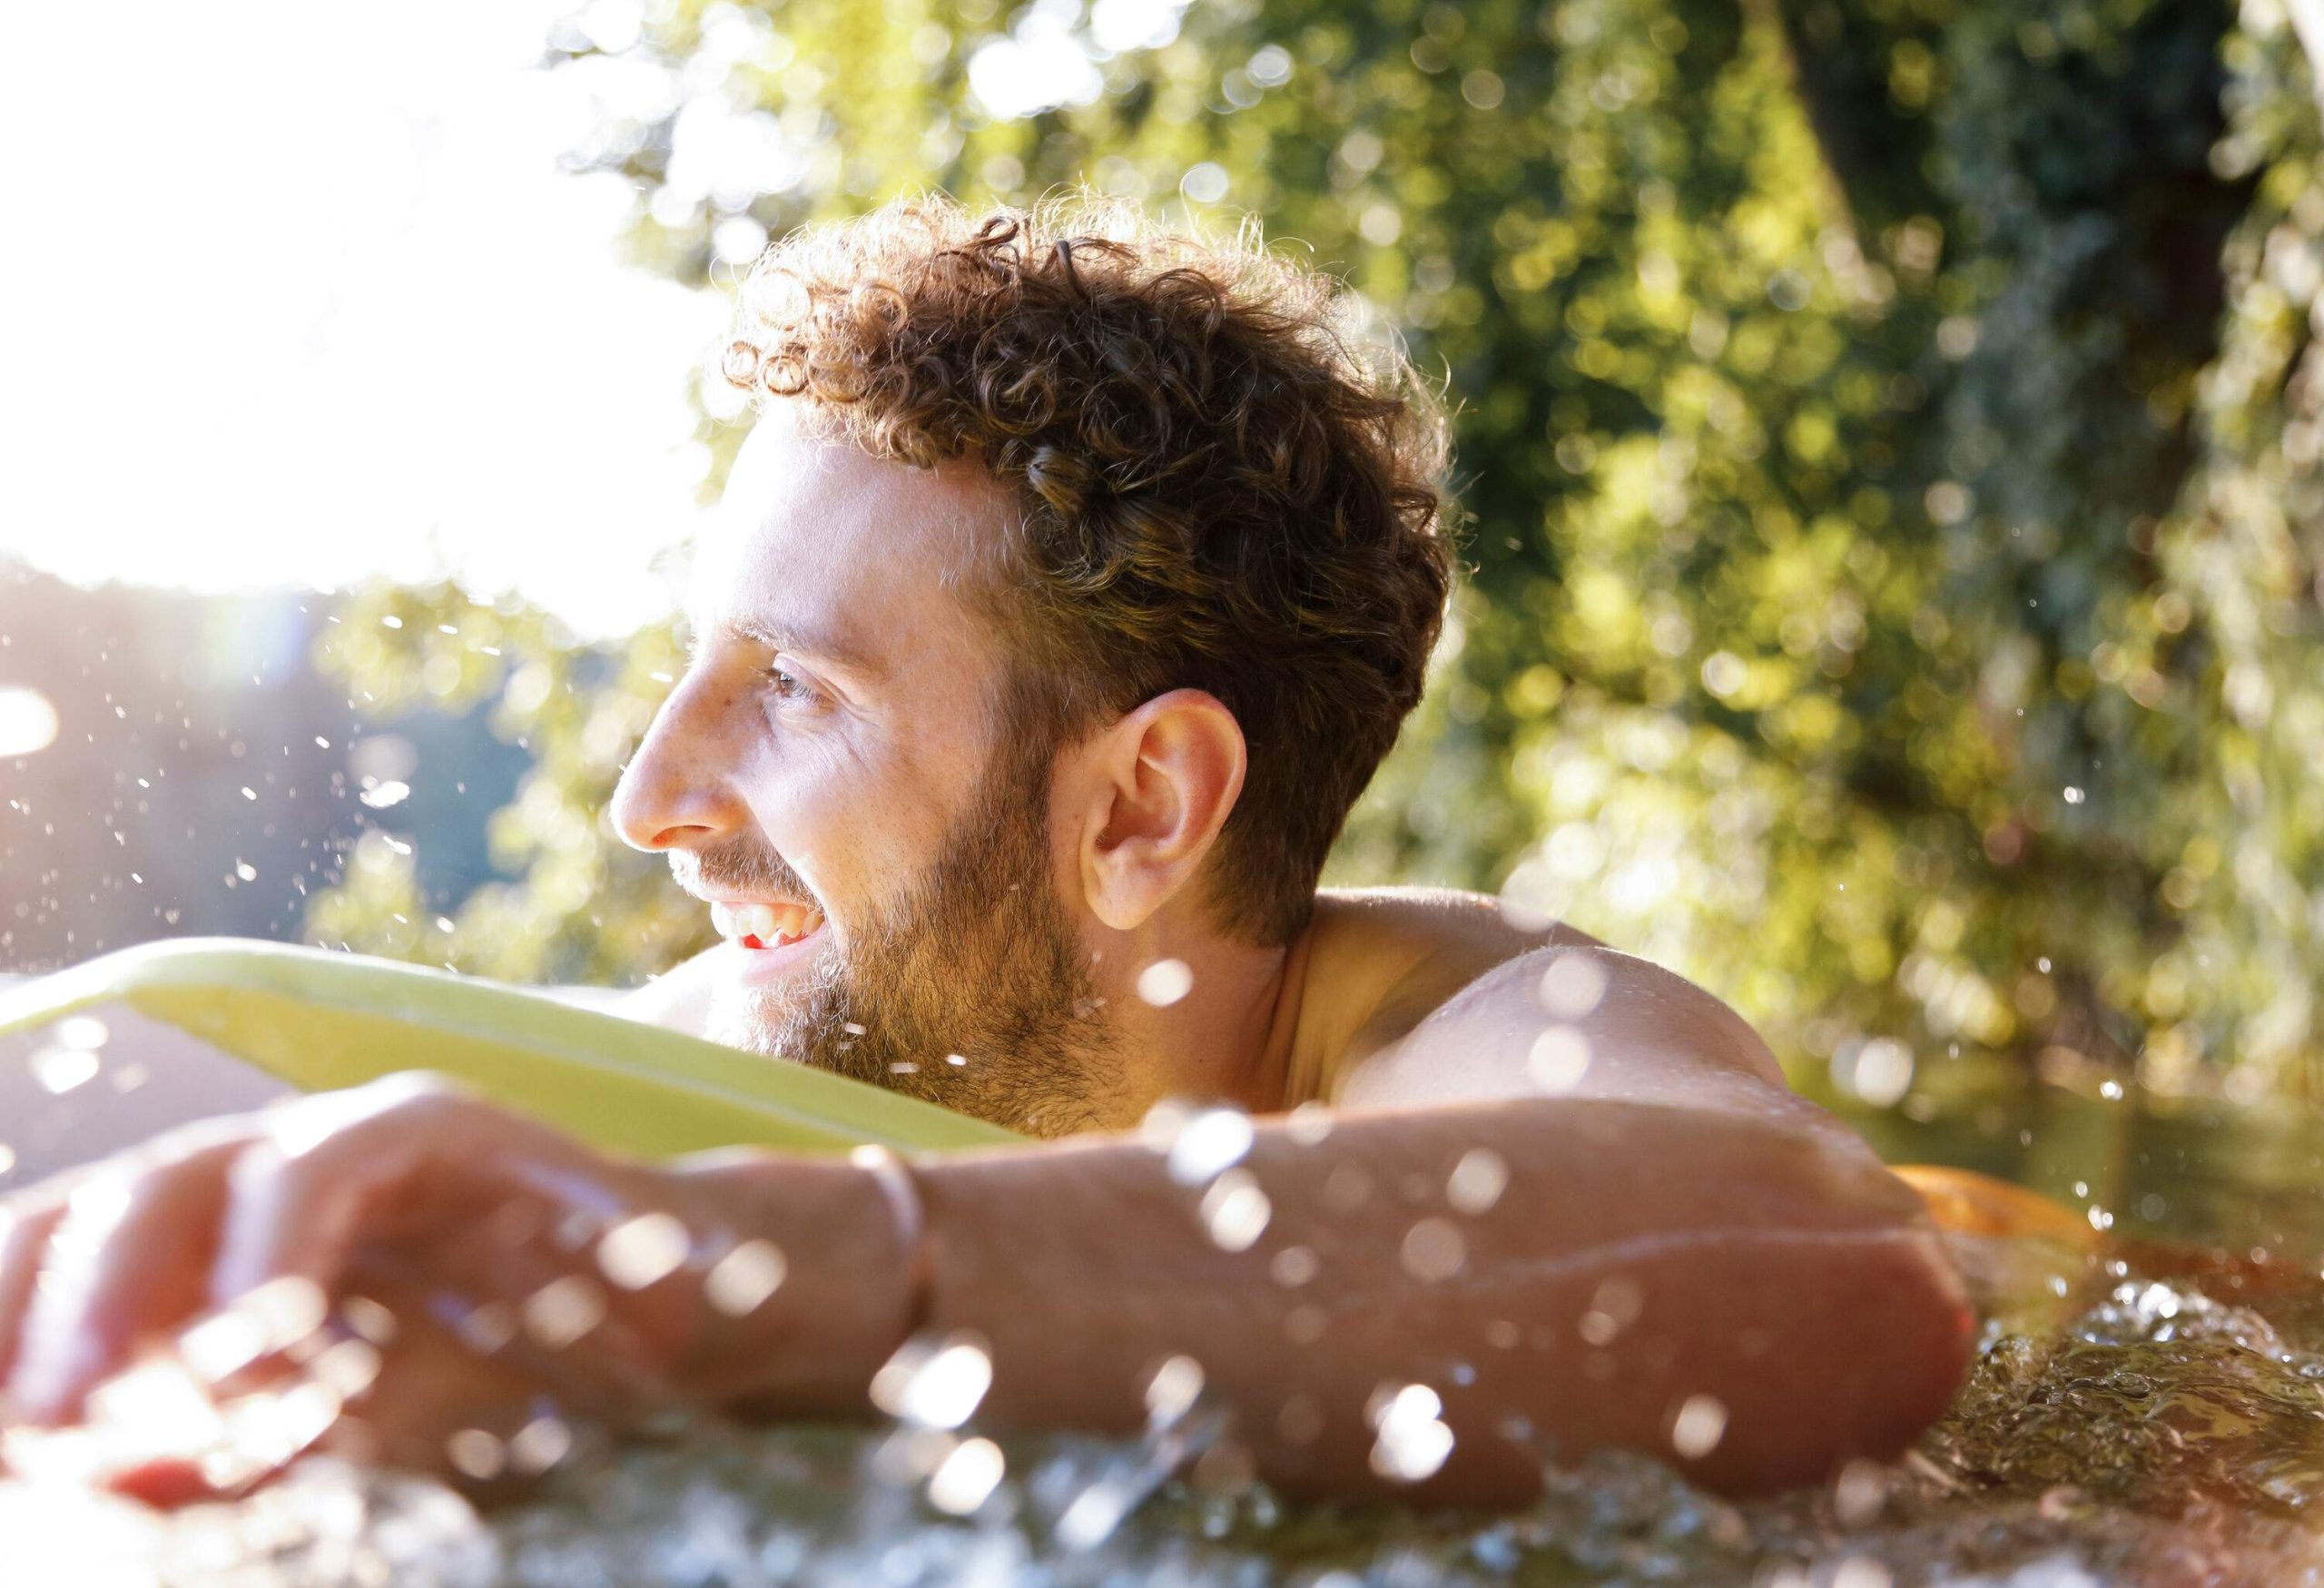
[(91, 1266), (478, 1210), (438, 1405), (26, 1225), (337, 1168), (128, 1258)]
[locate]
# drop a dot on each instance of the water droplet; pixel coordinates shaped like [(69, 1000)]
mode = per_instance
[(271, 1318), (1573, 985), (1433, 1250), (1308, 1124), (1295, 1266), (350, 1367), (967, 1477), (739, 1283), (1094, 1515), (475, 1454), (1858, 1493), (934, 1385), (643, 1250), (28, 723), (1861, 1571), (1160, 1127), (1478, 1182), (1347, 1188), (539, 1446), (1171, 1392), (1236, 1211), (1210, 1143), (1613, 1307), (62, 1070), (910, 1454), (369, 1319), (84, 1032), (1696, 1431), (1413, 1443), (264, 1431), (1879, 1071), (1560, 1058), (380, 795), (562, 1311), (1164, 982)]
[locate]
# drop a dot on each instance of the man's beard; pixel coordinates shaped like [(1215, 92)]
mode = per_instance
[(976, 962)]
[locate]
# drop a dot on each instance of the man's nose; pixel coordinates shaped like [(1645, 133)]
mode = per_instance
[(677, 792)]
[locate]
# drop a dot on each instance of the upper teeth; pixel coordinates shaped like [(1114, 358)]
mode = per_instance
[(767, 925), (744, 920)]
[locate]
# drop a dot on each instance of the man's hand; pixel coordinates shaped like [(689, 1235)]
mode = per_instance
[(423, 1270)]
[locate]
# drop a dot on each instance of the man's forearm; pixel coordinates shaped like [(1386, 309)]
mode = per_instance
[(1636, 1260)]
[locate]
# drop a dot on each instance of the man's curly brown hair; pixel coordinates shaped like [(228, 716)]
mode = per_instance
[(1224, 486)]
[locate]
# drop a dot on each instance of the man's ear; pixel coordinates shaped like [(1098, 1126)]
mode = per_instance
[(1167, 774)]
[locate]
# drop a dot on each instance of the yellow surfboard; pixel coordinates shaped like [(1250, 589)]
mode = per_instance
[(309, 1019)]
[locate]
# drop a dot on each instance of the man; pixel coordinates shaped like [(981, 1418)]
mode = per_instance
[(1068, 590)]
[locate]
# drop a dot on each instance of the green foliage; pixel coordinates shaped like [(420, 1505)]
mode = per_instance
[(1891, 591), (585, 908)]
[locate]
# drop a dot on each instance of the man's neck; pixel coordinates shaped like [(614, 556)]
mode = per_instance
[(1226, 1038)]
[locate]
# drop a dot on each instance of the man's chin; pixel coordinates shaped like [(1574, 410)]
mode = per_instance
[(778, 1022)]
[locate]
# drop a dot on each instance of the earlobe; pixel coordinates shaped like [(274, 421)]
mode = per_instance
[(1173, 769)]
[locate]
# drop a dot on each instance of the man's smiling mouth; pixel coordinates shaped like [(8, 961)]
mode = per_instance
[(765, 926)]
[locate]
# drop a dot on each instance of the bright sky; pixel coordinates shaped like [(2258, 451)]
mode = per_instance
[(295, 292)]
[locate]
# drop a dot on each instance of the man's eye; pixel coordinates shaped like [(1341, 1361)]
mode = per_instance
[(789, 684)]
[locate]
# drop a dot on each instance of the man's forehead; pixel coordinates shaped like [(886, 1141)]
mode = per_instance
[(816, 529)]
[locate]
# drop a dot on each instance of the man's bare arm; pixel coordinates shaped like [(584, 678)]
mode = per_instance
[(1560, 1274), (1721, 1279), (1581, 1239)]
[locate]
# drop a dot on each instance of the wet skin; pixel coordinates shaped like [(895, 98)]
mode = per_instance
[(1670, 1226)]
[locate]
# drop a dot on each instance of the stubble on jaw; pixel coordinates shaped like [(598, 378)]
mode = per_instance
[(976, 960)]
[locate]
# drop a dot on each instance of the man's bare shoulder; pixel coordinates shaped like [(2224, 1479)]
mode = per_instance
[(1381, 960), (1439, 995), (1442, 921)]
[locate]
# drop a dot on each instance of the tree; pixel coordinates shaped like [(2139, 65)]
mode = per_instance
[(1875, 552)]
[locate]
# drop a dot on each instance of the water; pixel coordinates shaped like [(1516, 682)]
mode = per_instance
[(2149, 1411)]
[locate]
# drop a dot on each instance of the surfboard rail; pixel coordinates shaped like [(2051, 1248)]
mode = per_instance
[(320, 1020)]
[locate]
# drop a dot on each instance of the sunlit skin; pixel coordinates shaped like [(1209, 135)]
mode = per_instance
[(1675, 1228)]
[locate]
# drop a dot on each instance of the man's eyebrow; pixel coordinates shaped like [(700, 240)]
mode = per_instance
[(805, 641)]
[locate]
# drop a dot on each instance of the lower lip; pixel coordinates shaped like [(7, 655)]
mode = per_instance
[(772, 963)]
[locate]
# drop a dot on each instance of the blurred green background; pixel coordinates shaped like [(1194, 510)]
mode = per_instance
[(1887, 432)]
